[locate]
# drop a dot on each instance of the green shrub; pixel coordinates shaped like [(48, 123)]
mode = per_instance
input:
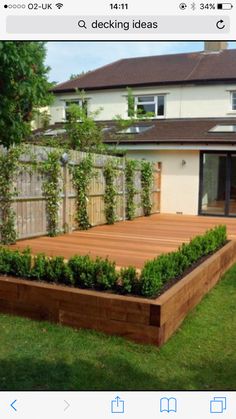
[(12, 262), (164, 268), (150, 280), (53, 270), (39, 269), (88, 273), (105, 274), (128, 281), (5, 261), (58, 271), (83, 271), (21, 263)]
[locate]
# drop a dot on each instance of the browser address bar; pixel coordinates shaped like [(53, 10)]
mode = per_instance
[(118, 24)]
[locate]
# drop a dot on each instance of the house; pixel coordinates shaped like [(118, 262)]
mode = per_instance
[(192, 130)]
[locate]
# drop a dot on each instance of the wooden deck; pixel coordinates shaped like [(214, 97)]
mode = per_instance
[(129, 242)]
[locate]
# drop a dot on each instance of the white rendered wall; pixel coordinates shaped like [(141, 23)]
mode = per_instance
[(179, 183), (191, 101)]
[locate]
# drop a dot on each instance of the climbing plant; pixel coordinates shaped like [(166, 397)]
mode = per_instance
[(130, 168), (81, 177), (9, 169), (110, 173), (146, 182), (52, 189)]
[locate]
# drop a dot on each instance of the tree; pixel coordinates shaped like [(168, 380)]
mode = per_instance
[(83, 132), (23, 87), (76, 76)]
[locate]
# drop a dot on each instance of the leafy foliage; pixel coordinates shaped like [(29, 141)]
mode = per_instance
[(23, 87), (52, 189), (83, 132), (146, 182), (9, 169), (128, 281), (97, 274), (105, 274), (76, 76), (130, 168), (162, 269), (81, 177), (13, 262), (131, 103), (82, 268), (110, 191)]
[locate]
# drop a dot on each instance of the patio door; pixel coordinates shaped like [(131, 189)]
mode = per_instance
[(218, 184)]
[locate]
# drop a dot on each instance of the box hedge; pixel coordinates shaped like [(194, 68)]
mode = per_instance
[(101, 274)]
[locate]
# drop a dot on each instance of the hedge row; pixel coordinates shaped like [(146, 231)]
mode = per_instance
[(157, 272), (101, 274)]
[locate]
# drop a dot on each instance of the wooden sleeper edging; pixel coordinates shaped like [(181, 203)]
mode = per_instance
[(143, 320)]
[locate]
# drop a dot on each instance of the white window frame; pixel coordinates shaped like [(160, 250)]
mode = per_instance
[(68, 102), (233, 93), (151, 102)]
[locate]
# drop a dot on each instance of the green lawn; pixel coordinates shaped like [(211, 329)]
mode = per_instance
[(201, 356)]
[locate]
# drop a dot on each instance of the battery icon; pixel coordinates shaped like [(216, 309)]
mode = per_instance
[(225, 6)]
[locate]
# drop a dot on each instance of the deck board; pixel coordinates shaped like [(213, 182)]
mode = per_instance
[(129, 242)]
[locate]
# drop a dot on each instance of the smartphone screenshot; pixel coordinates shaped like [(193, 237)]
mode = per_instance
[(117, 209)]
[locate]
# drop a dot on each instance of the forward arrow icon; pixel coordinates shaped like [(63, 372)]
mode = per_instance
[(67, 405)]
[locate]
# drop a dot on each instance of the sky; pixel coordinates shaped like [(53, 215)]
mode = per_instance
[(66, 58)]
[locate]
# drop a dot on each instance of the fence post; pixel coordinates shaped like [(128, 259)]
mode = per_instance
[(65, 213)]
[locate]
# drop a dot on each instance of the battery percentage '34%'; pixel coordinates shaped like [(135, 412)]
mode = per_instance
[(207, 6)]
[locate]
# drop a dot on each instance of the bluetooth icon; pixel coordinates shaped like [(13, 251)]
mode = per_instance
[(193, 6)]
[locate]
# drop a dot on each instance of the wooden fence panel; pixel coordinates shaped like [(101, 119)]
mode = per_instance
[(30, 204)]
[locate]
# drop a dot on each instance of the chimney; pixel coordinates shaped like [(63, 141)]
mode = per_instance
[(215, 46)]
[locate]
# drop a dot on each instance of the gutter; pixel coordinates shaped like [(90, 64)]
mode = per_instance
[(153, 147)]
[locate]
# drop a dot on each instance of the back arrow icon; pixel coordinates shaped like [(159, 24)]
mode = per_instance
[(12, 405), (67, 405)]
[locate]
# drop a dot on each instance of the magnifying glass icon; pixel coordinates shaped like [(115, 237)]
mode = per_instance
[(82, 24)]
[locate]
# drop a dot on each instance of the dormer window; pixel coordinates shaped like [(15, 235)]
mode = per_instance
[(150, 106)]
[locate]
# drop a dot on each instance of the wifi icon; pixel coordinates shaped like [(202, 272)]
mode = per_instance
[(59, 5)]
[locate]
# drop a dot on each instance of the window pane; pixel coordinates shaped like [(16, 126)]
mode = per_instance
[(232, 200), (160, 106), (143, 109), (85, 107), (142, 99), (214, 181), (73, 102), (67, 115), (234, 101)]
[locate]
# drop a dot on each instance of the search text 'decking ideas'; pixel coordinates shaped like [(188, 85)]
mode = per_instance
[(118, 24)]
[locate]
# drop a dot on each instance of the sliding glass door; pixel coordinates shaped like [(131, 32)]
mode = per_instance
[(218, 184), (232, 198)]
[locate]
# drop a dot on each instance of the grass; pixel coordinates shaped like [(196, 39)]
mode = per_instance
[(200, 356)]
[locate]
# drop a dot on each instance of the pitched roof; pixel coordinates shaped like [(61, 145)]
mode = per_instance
[(158, 70), (180, 131), (167, 131)]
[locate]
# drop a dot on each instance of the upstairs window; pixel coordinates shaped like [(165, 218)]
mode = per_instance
[(234, 101), (78, 102), (153, 106)]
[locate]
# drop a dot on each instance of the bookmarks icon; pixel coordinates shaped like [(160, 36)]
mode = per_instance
[(168, 405)]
